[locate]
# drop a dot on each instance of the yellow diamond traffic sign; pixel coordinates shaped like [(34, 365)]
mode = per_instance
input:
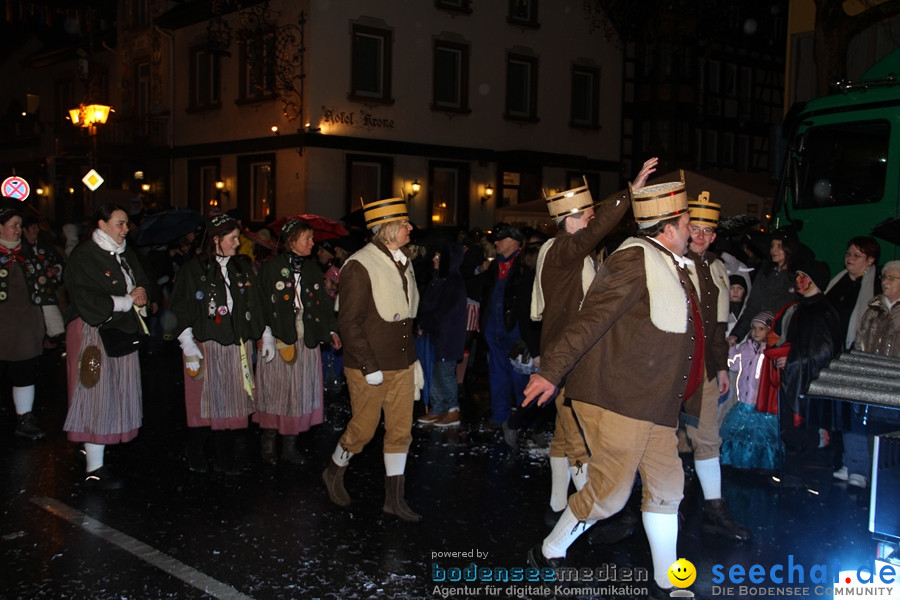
[(92, 180)]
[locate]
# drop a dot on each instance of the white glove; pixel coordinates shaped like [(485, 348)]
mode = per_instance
[(418, 380), (268, 345), (376, 378), (192, 364), (192, 354)]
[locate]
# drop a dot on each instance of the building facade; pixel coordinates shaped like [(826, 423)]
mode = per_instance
[(460, 107)]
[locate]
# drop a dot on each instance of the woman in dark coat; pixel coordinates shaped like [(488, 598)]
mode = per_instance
[(108, 304), (812, 327), (25, 286), (219, 312), (773, 287), (299, 316)]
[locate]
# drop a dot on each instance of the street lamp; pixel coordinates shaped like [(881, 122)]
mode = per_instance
[(89, 116)]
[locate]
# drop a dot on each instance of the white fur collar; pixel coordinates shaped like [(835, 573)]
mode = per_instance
[(668, 303)]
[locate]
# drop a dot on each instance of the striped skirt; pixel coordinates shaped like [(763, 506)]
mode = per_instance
[(111, 411), (289, 396), (216, 398)]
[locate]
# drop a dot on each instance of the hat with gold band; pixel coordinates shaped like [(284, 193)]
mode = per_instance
[(704, 212), (569, 202), (654, 203), (384, 211)]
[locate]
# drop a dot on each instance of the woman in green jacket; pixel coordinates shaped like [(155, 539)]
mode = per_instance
[(217, 305), (108, 303), (300, 316)]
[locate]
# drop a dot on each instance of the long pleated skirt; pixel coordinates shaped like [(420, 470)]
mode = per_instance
[(110, 412), (290, 395), (216, 398)]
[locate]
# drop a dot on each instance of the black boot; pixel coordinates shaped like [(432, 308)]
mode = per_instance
[(196, 449), (289, 451), (394, 503), (333, 476), (718, 520), (225, 452), (27, 427), (102, 479), (267, 446), (537, 559)]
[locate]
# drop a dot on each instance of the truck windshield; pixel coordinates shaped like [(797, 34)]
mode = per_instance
[(839, 165)]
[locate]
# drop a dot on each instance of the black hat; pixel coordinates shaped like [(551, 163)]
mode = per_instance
[(221, 224), (504, 230), (818, 272), (737, 280)]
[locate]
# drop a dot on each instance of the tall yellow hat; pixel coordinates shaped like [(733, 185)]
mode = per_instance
[(703, 212), (569, 202), (384, 211), (654, 203)]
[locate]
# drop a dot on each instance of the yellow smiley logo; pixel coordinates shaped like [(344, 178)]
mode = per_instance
[(682, 573)]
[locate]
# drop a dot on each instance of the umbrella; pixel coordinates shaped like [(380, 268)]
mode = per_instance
[(888, 230), (324, 228), (163, 227)]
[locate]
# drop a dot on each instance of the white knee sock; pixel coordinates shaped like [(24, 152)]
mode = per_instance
[(23, 398), (340, 456), (579, 476), (566, 531), (394, 463), (710, 475), (93, 456), (559, 482), (662, 534)]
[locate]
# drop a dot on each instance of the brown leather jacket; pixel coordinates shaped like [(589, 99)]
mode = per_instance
[(371, 343), (618, 358)]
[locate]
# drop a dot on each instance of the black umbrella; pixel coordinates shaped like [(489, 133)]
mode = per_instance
[(888, 230), (162, 228)]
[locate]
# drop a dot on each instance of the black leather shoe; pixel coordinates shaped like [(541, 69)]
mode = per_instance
[(537, 559), (718, 520), (102, 479)]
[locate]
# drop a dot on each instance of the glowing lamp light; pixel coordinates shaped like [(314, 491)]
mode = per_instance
[(88, 115)]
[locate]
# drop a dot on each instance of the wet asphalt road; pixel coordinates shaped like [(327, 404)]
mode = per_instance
[(271, 532)]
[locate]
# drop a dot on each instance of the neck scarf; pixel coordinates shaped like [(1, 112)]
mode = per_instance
[(223, 268), (296, 261), (106, 242), (12, 247)]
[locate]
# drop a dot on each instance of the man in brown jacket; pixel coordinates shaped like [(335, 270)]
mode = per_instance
[(633, 353), (376, 309), (566, 267), (703, 433)]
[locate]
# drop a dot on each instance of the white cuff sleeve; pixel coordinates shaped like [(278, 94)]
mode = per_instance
[(122, 303)]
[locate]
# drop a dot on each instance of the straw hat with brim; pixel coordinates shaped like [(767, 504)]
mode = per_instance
[(703, 212), (384, 211), (654, 203), (569, 202)]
